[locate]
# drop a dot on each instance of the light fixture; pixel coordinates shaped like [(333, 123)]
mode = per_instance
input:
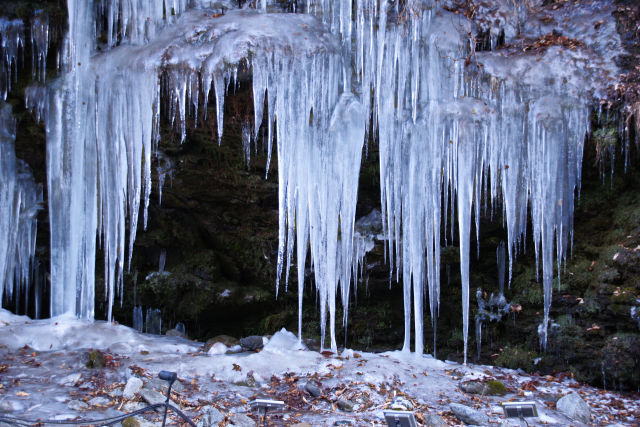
[(400, 419), (519, 409)]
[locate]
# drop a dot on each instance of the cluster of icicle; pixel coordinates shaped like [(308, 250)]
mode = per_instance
[(448, 139), (12, 44), (20, 200)]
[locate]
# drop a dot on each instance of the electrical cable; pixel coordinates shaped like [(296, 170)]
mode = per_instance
[(102, 421), (164, 375)]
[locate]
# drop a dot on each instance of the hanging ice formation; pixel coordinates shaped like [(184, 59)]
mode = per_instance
[(20, 200), (453, 126), (12, 45)]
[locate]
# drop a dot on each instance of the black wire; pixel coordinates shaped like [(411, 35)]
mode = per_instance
[(104, 421)]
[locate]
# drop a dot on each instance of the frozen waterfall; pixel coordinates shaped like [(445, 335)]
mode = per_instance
[(453, 126)]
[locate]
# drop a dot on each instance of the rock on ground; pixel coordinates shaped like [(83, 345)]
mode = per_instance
[(469, 415), (212, 416), (252, 343), (134, 385), (434, 421), (574, 407), (242, 420)]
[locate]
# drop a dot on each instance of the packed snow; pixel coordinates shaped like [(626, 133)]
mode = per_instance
[(44, 376)]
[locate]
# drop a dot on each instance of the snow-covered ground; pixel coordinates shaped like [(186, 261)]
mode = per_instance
[(43, 376)]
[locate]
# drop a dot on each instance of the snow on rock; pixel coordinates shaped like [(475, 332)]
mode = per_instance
[(218, 348), (283, 341), (67, 332), (213, 384)]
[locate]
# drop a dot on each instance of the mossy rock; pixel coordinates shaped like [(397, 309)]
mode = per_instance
[(495, 388), (94, 359)]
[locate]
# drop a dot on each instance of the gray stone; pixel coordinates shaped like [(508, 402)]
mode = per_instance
[(70, 379), (345, 404), (11, 406), (313, 389), (469, 415), (473, 387), (132, 406), (401, 404), (242, 420), (133, 386), (137, 422), (574, 407), (252, 343), (161, 385), (434, 421), (152, 397), (77, 405), (211, 417), (115, 393), (99, 401)]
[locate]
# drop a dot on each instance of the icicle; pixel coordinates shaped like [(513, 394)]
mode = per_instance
[(20, 201)]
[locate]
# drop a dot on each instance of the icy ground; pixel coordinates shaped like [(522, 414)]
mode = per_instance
[(43, 376)]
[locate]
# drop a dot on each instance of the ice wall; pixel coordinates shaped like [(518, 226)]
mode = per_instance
[(20, 200), (453, 127)]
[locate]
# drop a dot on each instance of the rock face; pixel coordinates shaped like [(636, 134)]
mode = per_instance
[(469, 415), (574, 407)]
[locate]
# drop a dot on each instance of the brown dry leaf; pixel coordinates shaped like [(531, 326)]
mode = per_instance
[(237, 367), (22, 394)]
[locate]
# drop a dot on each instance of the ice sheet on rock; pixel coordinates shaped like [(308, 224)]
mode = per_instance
[(20, 201)]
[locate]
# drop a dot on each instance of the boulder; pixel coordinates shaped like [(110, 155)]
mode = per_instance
[(469, 415), (133, 385), (242, 420), (252, 343), (401, 404), (93, 359), (70, 380), (152, 397), (137, 422), (77, 405), (99, 401), (313, 389), (211, 417), (345, 404), (574, 407), (434, 421), (488, 388)]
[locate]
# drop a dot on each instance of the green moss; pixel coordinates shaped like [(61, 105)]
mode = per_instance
[(496, 387), (516, 357)]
